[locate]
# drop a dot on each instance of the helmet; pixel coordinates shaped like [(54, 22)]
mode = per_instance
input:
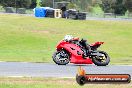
[(68, 37)]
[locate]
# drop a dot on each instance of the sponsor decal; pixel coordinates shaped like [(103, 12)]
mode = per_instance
[(83, 78)]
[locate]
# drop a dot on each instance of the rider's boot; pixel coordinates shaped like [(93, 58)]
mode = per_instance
[(85, 53)]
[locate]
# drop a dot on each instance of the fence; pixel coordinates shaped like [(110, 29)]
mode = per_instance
[(16, 10), (89, 14)]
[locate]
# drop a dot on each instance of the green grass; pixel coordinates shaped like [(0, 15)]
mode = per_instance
[(52, 83), (97, 12), (26, 38)]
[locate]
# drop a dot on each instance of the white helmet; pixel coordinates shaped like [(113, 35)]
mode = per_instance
[(68, 37)]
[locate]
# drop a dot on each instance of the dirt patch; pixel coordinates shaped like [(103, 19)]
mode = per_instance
[(38, 81), (46, 32), (40, 31)]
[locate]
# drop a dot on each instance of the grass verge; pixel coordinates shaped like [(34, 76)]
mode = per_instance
[(52, 83), (30, 39)]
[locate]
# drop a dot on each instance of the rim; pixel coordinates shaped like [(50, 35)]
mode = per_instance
[(62, 58), (101, 59)]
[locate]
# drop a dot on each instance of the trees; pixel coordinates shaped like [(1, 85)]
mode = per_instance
[(46, 3), (119, 7), (113, 6), (33, 4), (108, 6), (16, 3), (128, 5)]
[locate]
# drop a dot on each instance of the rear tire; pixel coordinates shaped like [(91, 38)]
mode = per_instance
[(98, 61), (61, 57)]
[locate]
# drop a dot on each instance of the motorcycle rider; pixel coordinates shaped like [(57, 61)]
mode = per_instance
[(86, 47), (83, 43)]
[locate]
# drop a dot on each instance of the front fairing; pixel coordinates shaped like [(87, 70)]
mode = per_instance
[(70, 47), (75, 52)]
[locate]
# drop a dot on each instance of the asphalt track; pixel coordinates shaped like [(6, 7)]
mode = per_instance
[(87, 18), (109, 19), (21, 69)]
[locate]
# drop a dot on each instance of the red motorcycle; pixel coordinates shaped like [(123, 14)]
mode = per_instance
[(78, 51)]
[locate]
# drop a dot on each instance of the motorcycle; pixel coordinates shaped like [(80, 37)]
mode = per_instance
[(73, 50)]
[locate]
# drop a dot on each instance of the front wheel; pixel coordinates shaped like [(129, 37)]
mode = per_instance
[(61, 57), (102, 60)]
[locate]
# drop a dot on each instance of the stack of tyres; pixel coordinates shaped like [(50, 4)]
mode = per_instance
[(72, 14), (50, 13), (21, 10), (81, 16), (9, 10)]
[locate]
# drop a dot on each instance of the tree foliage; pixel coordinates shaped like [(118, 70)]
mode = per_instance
[(33, 4), (16, 3), (119, 7), (113, 6), (128, 5)]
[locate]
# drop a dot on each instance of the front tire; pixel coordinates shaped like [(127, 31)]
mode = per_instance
[(61, 57), (101, 61)]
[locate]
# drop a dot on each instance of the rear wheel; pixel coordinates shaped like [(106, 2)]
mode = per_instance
[(102, 60), (61, 57)]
